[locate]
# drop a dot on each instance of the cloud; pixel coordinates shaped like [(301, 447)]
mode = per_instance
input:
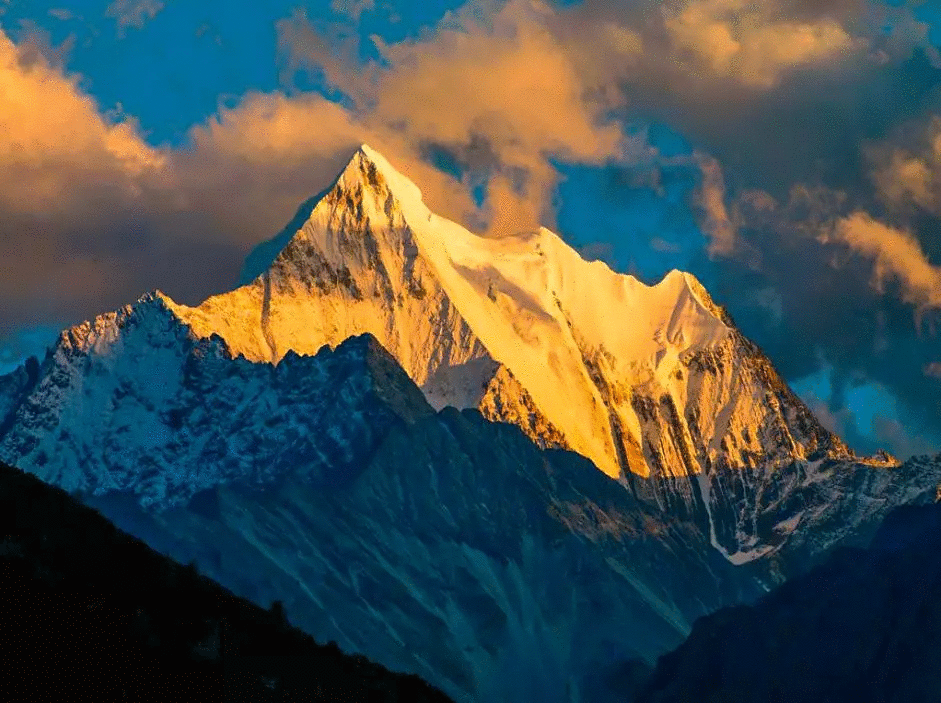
[(50, 132), (744, 41), (133, 13), (91, 216), (493, 87), (67, 170), (896, 254), (908, 174), (905, 443), (36, 43), (841, 422), (842, 287), (352, 9), (691, 46), (717, 224), (539, 83), (767, 113), (62, 14), (250, 166)]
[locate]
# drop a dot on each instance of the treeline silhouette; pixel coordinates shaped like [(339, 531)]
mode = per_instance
[(88, 612)]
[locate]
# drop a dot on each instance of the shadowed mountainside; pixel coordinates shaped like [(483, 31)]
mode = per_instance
[(89, 612), (863, 626)]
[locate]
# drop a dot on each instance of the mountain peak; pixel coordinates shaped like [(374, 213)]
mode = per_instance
[(685, 281), (368, 184), (157, 296), (371, 169)]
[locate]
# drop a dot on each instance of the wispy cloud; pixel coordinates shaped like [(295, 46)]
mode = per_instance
[(907, 169), (133, 13), (352, 9), (896, 255), (717, 224), (62, 14)]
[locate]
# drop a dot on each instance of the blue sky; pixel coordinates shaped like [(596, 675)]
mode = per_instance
[(742, 144)]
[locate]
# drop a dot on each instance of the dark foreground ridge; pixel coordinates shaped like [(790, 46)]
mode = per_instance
[(90, 613), (864, 626)]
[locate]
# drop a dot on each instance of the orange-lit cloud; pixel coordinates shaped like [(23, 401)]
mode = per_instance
[(717, 224), (68, 171), (91, 216), (53, 138), (896, 255), (493, 84), (271, 152), (910, 174), (749, 41), (508, 86)]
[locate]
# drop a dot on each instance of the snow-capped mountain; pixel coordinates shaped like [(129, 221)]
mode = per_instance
[(646, 381), (133, 401), (643, 380), (654, 384)]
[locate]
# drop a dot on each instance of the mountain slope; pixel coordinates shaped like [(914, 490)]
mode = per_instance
[(865, 626), (438, 544), (107, 618), (134, 401), (533, 598)]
